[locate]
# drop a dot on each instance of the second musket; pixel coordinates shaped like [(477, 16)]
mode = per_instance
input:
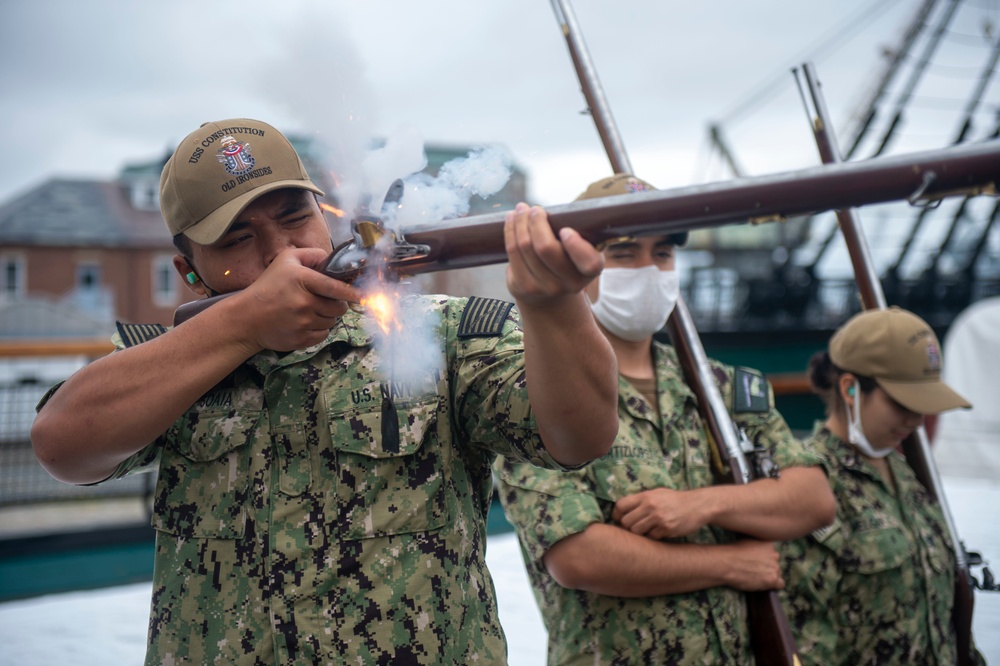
[(920, 178)]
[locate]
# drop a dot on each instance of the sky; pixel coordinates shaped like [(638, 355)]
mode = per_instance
[(88, 87)]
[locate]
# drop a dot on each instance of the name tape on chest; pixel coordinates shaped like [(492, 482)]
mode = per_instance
[(483, 317)]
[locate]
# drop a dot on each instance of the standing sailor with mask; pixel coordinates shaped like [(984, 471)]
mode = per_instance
[(635, 558), (877, 586)]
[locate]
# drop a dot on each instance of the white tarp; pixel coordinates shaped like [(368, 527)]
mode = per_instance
[(108, 626), (967, 441)]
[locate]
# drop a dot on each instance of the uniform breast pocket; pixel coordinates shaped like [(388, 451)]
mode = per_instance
[(875, 565), (387, 488), (204, 476)]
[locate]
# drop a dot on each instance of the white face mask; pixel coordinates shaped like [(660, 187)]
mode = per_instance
[(856, 434), (634, 303)]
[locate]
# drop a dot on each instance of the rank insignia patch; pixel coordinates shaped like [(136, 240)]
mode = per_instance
[(749, 392), (133, 334), (483, 317)]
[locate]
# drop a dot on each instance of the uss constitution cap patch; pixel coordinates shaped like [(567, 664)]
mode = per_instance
[(219, 169)]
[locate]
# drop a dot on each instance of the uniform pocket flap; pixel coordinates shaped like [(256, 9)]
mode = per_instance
[(874, 551), (360, 430), (215, 433)]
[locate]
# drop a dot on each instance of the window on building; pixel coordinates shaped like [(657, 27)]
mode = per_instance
[(164, 281), (12, 276), (89, 294), (145, 194), (88, 276)]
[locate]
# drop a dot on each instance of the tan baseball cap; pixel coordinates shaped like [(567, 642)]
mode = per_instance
[(900, 352), (219, 169), (624, 183)]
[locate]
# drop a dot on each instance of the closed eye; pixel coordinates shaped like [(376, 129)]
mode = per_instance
[(295, 221), (233, 242), (621, 254)]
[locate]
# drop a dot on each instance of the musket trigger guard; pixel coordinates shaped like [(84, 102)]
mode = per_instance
[(928, 178)]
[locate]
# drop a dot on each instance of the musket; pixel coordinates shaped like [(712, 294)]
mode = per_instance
[(916, 448), (770, 634), (478, 241)]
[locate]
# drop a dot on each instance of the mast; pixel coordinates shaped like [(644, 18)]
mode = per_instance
[(893, 273), (915, 75), (897, 56)]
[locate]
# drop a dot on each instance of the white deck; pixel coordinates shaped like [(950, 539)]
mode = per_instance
[(109, 626)]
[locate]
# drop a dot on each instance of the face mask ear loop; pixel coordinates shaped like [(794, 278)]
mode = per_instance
[(854, 432)]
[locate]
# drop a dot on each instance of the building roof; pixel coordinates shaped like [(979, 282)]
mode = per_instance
[(75, 212)]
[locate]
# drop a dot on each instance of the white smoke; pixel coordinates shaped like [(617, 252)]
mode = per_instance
[(428, 199), (325, 90), (414, 348)]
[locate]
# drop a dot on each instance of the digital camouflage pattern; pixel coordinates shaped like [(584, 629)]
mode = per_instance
[(877, 586), (288, 532), (671, 450)]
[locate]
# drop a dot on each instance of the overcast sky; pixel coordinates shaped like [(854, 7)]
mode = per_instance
[(88, 86)]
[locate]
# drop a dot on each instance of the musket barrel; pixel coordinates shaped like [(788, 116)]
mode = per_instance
[(923, 176), (872, 295), (593, 92), (478, 240)]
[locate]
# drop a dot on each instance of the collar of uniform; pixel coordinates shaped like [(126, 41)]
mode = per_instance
[(353, 330), (350, 330), (845, 454), (634, 402), (671, 390)]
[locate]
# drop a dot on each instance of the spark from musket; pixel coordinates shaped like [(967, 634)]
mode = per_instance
[(383, 306), (331, 209)]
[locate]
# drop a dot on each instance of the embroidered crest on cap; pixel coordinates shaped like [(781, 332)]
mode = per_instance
[(933, 357), (635, 185), (235, 156), (483, 317)]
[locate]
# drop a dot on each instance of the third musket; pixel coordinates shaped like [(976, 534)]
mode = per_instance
[(920, 177)]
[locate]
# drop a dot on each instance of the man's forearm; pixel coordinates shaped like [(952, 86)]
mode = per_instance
[(606, 559), (572, 380), (791, 506), (118, 404)]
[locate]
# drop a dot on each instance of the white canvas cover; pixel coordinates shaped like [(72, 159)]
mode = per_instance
[(967, 441)]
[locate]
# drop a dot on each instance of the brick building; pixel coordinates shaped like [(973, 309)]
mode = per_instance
[(101, 250)]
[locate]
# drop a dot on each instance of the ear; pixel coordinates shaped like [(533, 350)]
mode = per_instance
[(845, 386), (183, 268)]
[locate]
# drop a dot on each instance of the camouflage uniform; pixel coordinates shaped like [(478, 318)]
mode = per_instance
[(704, 627), (289, 532), (876, 586)]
